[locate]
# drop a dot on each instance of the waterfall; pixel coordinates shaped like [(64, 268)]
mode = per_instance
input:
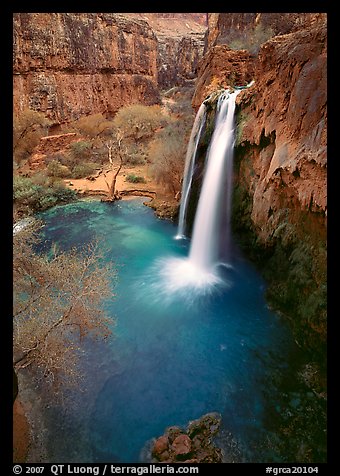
[(212, 210), (189, 168), (211, 232)]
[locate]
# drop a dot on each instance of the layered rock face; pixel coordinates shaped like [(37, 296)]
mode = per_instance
[(224, 27), (70, 64), (222, 67), (180, 45), (281, 190), (287, 107)]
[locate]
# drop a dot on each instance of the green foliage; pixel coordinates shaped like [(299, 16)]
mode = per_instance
[(81, 149), (136, 158), (135, 178), (56, 169), (34, 197), (94, 125), (83, 170), (139, 122)]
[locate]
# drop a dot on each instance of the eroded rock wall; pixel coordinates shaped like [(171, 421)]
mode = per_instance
[(280, 182), (281, 166), (70, 64), (222, 67), (288, 106), (225, 27)]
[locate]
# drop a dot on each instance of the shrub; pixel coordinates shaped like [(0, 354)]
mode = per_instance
[(94, 125), (56, 169), (38, 197), (83, 170), (139, 122), (81, 149), (135, 178), (167, 154), (28, 127)]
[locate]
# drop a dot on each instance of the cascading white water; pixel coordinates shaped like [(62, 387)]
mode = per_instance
[(189, 168), (211, 209), (199, 271)]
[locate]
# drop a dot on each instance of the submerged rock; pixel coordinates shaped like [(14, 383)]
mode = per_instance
[(191, 445)]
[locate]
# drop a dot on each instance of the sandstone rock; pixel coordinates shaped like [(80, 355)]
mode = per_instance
[(172, 432), (180, 45), (70, 64), (224, 27), (181, 445), (288, 108), (222, 67), (193, 445), (160, 445)]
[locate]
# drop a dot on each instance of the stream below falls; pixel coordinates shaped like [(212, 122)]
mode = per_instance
[(173, 356)]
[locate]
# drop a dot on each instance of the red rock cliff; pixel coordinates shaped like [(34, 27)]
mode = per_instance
[(280, 186), (70, 64), (288, 105), (222, 67), (180, 45), (224, 27)]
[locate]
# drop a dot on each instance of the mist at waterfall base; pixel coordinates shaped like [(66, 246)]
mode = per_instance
[(202, 272), (169, 361)]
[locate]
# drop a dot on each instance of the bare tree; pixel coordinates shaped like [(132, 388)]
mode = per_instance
[(115, 151), (57, 303)]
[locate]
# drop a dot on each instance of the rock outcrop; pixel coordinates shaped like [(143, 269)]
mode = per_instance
[(193, 445), (226, 27), (288, 107), (222, 67), (281, 185), (180, 45), (72, 64)]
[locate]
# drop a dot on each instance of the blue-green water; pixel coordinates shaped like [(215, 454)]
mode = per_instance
[(172, 358)]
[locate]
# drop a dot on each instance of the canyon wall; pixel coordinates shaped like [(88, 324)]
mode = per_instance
[(70, 64), (280, 182), (181, 38), (222, 67), (225, 27)]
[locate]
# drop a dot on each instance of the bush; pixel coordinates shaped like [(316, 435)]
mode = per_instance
[(38, 197), (167, 154), (81, 149), (28, 127), (56, 169), (94, 125), (139, 122), (83, 170), (135, 178)]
